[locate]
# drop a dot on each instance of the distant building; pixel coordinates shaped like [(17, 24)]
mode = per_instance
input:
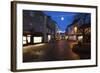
[(72, 31)]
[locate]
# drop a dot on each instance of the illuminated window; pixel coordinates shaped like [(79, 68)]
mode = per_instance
[(66, 37), (37, 39), (80, 38), (49, 37), (24, 39), (72, 37), (29, 38)]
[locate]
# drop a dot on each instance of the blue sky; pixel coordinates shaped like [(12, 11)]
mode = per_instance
[(62, 18)]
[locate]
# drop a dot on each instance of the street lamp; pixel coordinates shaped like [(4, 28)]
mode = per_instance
[(75, 32), (75, 29)]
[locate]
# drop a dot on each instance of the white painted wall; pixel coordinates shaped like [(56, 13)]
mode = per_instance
[(5, 37)]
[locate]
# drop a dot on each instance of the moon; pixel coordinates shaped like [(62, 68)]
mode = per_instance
[(62, 18)]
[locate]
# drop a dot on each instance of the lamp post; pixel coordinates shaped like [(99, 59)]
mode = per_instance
[(75, 31)]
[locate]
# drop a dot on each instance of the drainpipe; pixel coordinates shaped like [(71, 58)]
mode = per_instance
[(45, 29)]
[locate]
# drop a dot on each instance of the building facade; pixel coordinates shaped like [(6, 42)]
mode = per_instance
[(38, 27), (80, 29)]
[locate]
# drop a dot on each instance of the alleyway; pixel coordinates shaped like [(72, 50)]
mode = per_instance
[(58, 50)]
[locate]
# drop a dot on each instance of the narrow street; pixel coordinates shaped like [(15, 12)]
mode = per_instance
[(58, 50), (61, 30)]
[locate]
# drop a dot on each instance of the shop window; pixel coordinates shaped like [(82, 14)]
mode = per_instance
[(49, 38), (24, 40), (37, 39), (29, 38), (80, 38), (66, 37)]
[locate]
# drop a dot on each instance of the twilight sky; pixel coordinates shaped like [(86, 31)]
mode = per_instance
[(62, 18)]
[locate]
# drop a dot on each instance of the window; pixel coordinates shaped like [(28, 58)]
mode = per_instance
[(29, 38), (37, 39), (80, 38), (72, 37), (49, 38), (24, 40), (66, 37)]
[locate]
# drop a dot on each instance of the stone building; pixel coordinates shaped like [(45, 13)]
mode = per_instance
[(80, 29), (37, 27)]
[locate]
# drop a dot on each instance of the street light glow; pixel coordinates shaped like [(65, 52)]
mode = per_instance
[(75, 29)]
